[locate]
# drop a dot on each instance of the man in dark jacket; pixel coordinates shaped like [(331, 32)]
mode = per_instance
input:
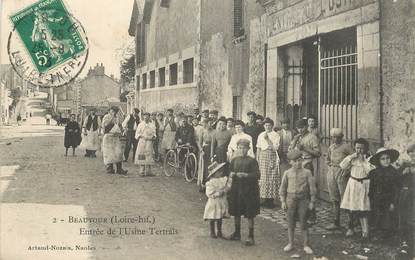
[(130, 123)]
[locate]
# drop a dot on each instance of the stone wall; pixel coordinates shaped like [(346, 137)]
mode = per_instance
[(172, 29), (398, 65)]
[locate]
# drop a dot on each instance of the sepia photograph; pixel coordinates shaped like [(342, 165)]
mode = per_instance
[(207, 129)]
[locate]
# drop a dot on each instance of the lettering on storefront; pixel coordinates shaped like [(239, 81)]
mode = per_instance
[(310, 10)]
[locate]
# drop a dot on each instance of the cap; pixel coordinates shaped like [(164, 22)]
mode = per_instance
[(294, 155), (230, 119), (205, 111), (214, 112), (170, 109), (251, 113), (222, 118), (244, 142)]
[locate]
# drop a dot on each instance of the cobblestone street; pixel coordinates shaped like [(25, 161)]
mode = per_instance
[(41, 189)]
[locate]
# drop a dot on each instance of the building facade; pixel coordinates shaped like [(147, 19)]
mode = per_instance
[(96, 87), (349, 64), (196, 54)]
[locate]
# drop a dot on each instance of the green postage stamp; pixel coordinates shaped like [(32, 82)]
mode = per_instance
[(47, 46)]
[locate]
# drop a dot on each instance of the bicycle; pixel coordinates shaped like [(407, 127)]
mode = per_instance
[(172, 163)]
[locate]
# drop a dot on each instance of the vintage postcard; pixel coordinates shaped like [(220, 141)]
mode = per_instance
[(207, 129)]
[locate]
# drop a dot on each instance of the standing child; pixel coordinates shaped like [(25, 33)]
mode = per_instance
[(406, 203), (297, 194), (384, 190), (217, 205), (356, 195)]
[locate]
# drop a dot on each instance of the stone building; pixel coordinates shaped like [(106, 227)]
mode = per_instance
[(198, 53), (97, 87), (347, 63), (350, 64)]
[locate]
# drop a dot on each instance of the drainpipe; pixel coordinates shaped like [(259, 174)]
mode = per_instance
[(381, 92), (265, 77)]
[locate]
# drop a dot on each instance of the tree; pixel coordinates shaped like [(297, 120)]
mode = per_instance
[(127, 69), (123, 96)]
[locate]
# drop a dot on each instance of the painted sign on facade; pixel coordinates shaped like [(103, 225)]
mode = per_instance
[(309, 11)]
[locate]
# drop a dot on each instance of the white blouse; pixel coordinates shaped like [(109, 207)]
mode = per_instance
[(273, 137)]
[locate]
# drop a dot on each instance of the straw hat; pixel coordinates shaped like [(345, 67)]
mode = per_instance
[(393, 154), (214, 167)]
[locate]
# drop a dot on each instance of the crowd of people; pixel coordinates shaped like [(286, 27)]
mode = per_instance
[(248, 165)]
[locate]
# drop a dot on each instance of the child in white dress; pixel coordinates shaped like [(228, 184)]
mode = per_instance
[(356, 196), (217, 205)]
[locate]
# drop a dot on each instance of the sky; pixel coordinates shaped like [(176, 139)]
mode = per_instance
[(105, 22)]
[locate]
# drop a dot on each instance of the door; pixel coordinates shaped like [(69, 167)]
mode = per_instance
[(338, 92)]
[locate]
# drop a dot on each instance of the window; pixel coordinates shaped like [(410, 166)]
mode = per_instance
[(162, 77), (238, 29), (144, 81), (137, 82), (236, 107), (173, 74), (164, 3), (152, 79), (140, 42), (188, 71)]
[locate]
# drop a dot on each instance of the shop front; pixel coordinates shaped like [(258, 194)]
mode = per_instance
[(323, 62)]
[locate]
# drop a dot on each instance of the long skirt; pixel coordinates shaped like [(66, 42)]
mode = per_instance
[(145, 153), (112, 149), (356, 196), (269, 183), (91, 141), (216, 208)]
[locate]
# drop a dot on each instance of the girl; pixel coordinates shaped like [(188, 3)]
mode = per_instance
[(356, 195), (217, 205), (72, 135), (144, 156), (384, 189)]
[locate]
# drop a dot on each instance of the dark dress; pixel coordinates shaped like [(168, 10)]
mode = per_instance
[(72, 135), (254, 130), (243, 197), (384, 191), (407, 203)]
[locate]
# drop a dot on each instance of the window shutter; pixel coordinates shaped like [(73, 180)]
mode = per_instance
[(237, 18)]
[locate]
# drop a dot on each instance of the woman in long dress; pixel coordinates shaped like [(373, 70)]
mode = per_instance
[(112, 147), (72, 135), (145, 134), (90, 141), (269, 163)]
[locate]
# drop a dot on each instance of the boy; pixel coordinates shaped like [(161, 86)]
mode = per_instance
[(297, 195), (336, 177), (244, 194)]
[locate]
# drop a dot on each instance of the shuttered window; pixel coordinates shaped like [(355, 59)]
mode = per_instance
[(140, 43), (238, 18)]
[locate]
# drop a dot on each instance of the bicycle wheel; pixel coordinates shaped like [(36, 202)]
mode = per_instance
[(170, 163), (190, 167)]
